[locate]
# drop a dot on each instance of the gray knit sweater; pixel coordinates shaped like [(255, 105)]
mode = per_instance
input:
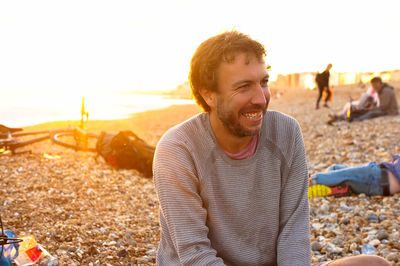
[(219, 211)]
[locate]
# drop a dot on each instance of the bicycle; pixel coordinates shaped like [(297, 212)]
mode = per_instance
[(123, 150), (74, 138)]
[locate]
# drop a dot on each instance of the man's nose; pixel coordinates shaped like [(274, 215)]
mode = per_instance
[(259, 95)]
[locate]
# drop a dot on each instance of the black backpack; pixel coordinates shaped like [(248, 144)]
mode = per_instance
[(126, 150)]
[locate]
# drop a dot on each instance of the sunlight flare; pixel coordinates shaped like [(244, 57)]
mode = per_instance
[(48, 156), (309, 82)]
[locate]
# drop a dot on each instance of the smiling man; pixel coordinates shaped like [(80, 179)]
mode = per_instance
[(232, 181)]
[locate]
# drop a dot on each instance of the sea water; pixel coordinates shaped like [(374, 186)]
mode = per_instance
[(30, 108)]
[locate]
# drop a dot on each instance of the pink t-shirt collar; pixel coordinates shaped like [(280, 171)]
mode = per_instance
[(247, 152)]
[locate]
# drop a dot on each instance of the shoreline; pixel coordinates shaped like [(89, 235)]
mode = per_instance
[(149, 125), (101, 106)]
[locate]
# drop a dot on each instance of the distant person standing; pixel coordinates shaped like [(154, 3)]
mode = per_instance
[(322, 80)]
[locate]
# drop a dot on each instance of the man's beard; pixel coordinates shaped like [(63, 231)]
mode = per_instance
[(232, 123)]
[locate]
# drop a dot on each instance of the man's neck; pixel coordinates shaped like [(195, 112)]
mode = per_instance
[(226, 140), (233, 144)]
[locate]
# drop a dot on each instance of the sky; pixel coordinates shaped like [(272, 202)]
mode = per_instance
[(80, 46)]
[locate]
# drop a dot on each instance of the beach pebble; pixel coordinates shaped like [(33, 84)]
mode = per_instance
[(353, 246), (382, 234), (333, 249), (344, 207), (372, 218), (316, 246), (368, 249), (392, 257), (324, 208), (317, 226), (345, 221), (395, 236), (122, 253), (374, 242)]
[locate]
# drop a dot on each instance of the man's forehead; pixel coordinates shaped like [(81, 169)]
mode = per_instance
[(242, 60), (237, 70), (246, 57)]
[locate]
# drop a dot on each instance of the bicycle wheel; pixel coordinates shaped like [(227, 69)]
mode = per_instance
[(76, 140)]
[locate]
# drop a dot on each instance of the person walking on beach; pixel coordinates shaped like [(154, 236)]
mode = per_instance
[(232, 181), (322, 80)]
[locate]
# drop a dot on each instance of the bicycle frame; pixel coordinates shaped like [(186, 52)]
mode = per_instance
[(12, 142)]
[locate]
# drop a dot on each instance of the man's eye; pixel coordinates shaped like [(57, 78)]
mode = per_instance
[(244, 86), (264, 82)]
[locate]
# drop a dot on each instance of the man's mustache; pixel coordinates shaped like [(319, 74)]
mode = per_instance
[(255, 108)]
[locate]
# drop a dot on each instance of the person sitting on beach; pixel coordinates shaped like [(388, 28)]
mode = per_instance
[(386, 104), (367, 101), (372, 179), (232, 181)]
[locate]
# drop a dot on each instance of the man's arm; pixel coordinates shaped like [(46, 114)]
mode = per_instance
[(181, 206), (293, 247)]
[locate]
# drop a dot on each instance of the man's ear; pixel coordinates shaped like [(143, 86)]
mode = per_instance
[(209, 96)]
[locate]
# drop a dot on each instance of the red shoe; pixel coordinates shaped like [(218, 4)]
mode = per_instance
[(319, 190)]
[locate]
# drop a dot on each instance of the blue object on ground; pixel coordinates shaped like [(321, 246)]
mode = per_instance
[(10, 251)]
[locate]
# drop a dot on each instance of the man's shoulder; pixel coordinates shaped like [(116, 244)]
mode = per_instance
[(279, 119), (280, 127), (187, 129), (387, 87), (190, 138), (281, 135)]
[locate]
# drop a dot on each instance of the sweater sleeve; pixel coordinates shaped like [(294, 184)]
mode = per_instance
[(293, 247), (182, 211)]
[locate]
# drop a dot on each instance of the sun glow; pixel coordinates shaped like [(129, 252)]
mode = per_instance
[(348, 78), (309, 82), (126, 46), (51, 157)]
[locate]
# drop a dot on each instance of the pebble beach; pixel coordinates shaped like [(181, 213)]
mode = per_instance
[(83, 212)]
